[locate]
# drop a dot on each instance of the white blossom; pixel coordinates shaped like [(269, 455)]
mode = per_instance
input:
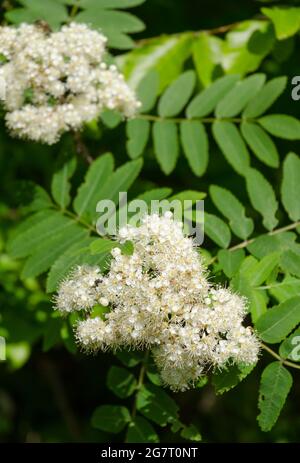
[(57, 81), (160, 298), (78, 291)]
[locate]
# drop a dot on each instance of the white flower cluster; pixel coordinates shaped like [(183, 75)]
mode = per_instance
[(57, 81), (160, 299)]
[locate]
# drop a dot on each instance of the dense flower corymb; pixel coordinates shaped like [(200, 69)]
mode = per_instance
[(57, 81), (160, 299)]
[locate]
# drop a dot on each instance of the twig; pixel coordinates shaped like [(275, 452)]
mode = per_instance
[(152, 117), (82, 149), (140, 382), (214, 31), (277, 356), (246, 243)]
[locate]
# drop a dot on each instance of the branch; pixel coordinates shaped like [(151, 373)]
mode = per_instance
[(246, 243), (214, 31), (140, 382), (210, 120), (277, 356), (82, 149)]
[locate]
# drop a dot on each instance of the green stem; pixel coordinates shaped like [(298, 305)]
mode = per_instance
[(208, 120), (79, 220), (215, 31), (277, 356), (140, 382), (81, 148), (74, 10), (246, 243)]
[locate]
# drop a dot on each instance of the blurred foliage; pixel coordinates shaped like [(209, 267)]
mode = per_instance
[(49, 391)]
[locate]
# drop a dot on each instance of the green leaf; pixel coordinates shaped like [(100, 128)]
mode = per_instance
[(119, 40), (74, 255), (258, 304), (17, 354), (176, 96), (290, 348), (290, 187), (286, 20), (232, 145), (154, 403), (288, 288), (130, 359), (283, 49), (38, 198), (23, 244), (207, 54), (166, 147), (261, 143), (231, 208), (245, 46), (290, 263), (110, 119), (262, 197), (240, 284), (156, 193), (110, 20), (265, 97), (237, 98), (228, 378), (202, 382), (263, 269), (282, 126), (217, 230), (276, 382), (110, 4), (154, 377), (195, 145), (138, 131), (67, 336), (120, 181), (60, 186), (110, 418), (278, 322), (121, 382), (266, 244), (27, 224), (205, 102), (141, 431), (191, 433), (88, 193), (44, 256), (147, 91), (52, 12), (102, 245), (189, 195), (166, 55), (240, 281), (230, 261)]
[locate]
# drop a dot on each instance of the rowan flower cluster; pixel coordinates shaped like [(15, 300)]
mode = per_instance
[(159, 298), (57, 81)]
